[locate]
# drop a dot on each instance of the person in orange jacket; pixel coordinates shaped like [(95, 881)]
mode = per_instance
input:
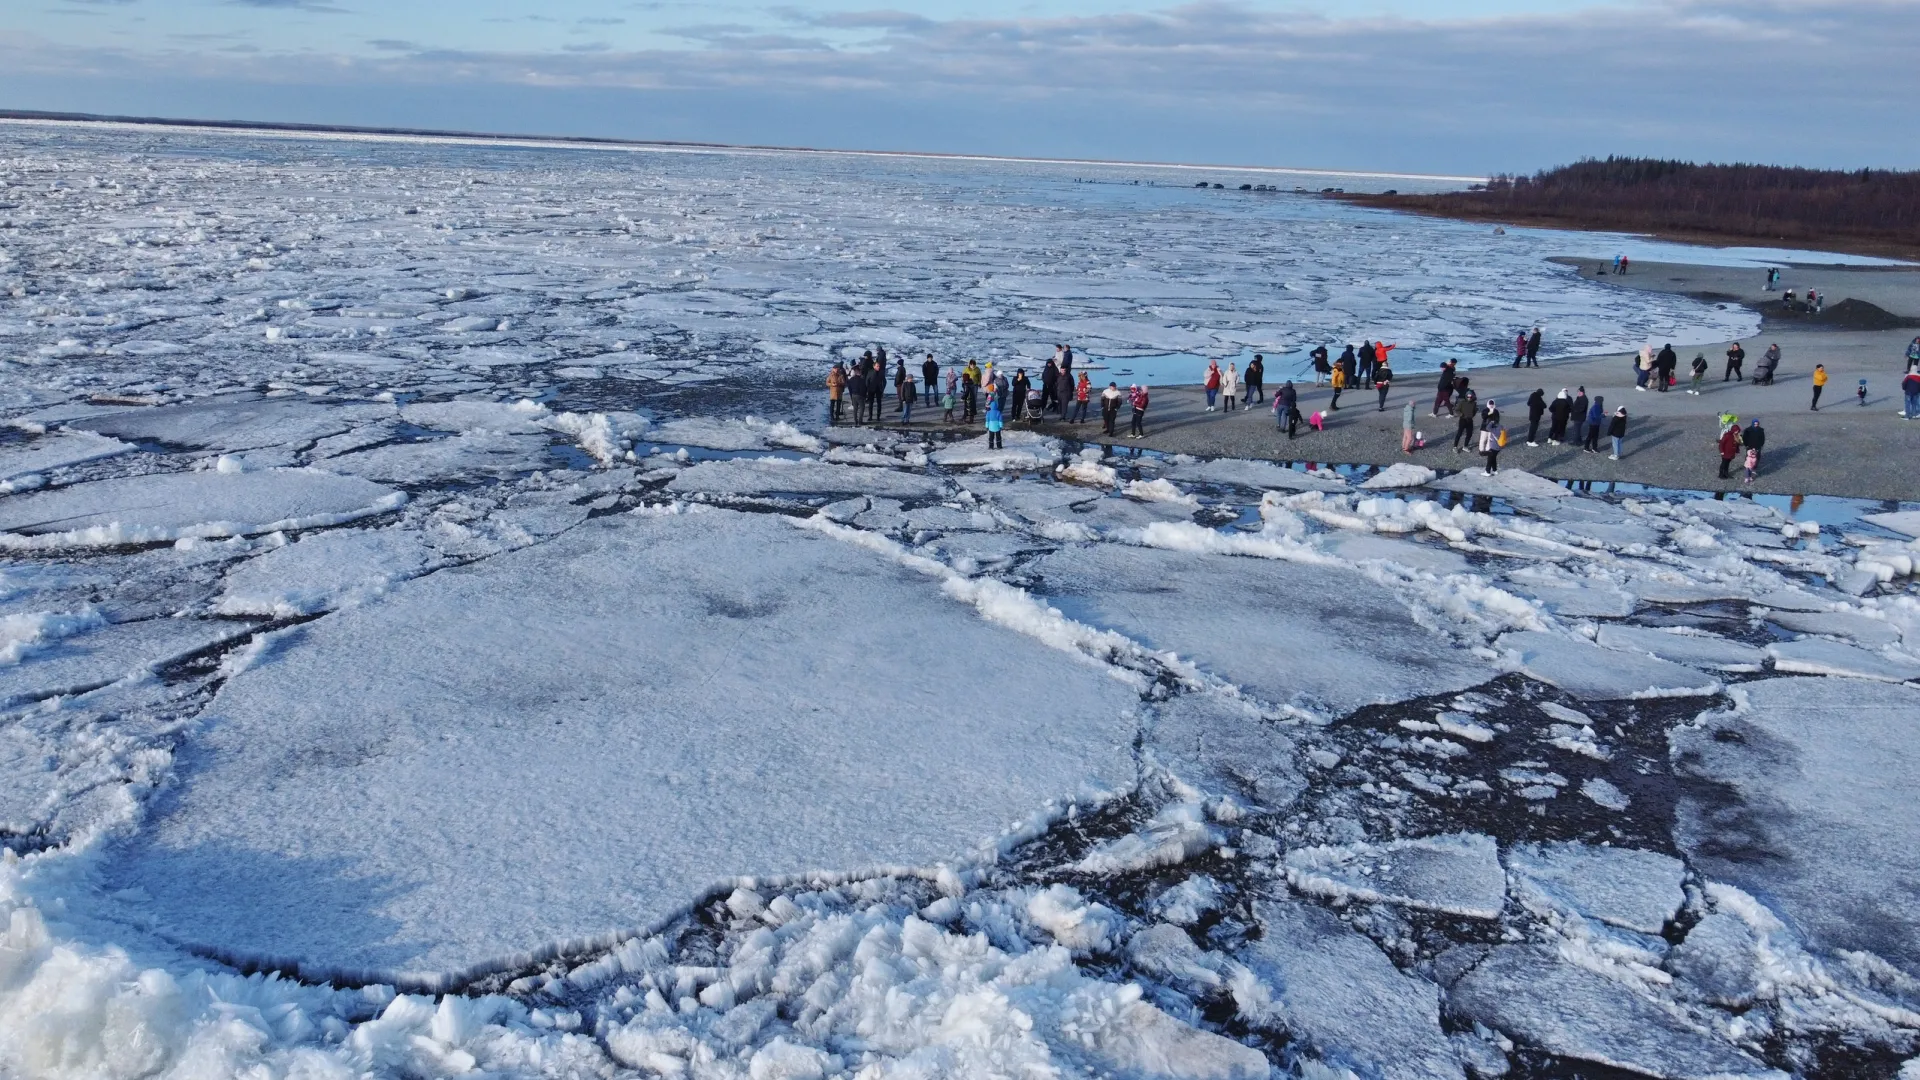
[(1819, 384), (836, 388)]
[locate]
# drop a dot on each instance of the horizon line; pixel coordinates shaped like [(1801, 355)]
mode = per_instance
[(596, 142)]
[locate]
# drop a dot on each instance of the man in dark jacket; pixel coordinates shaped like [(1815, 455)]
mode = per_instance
[(1368, 358), (1736, 356), (1536, 408), (930, 374), (1580, 417), (1665, 365), (1560, 408), (1443, 393), (1048, 377), (1021, 384), (1754, 438), (1533, 348)]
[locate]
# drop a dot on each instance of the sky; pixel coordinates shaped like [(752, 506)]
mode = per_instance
[(1456, 86)]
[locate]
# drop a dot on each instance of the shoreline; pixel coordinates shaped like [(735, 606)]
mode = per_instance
[(1844, 450), (1889, 248)]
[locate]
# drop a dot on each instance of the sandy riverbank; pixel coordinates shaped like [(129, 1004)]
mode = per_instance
[(1843, 449)]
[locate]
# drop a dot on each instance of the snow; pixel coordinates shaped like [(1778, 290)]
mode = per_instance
[(75, 664), (169, 506), (1457, 874), (1257, 475), (1625, 887), (1592, 673), (1531, 993), (1224, 747), (1695, 650), (1806, 801), (1818, 656), (1314, 637), (1023, 450), (1312, 977), (748, 753)]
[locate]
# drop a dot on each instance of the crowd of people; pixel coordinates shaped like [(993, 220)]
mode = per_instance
[(988, 393)]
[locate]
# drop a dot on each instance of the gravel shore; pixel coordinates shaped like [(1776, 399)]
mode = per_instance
[(1844, 449)]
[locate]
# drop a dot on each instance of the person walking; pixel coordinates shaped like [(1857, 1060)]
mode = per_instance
[(1406, 428), (1082, 392), (1229, 388), (1256, 379), (1490, 437), (1596, 416), (1699, 374), (1729, 449), (1138, 399), (1558, 411), (1443, 393), (1463, 430), (1533, 348), (1617, 431), (1212, 384), (995, 421), (1109, 409), (1643, 368), (1536, 409), (930, 374), (1769, 363), (1910, 387), (1819, 384), (836, 388), (1382, 382), (1736, 357), (1754, 439), (1578, 414), (1519, 348)]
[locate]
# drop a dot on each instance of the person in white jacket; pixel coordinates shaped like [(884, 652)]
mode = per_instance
[(1229, 388), (1490, 447)]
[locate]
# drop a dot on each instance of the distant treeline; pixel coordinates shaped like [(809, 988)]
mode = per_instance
[(1870, 209)]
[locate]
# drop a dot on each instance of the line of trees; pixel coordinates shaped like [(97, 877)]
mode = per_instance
[(1761, 202)]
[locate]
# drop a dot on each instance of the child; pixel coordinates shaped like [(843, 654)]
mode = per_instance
[(1318, 421), (1861, 393), (1753, 464), (947, 403)]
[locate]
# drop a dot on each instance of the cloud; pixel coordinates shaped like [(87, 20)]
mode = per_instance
[(1751, 79)]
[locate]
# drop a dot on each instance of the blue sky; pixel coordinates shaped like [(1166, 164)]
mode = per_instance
[(1444, 85)]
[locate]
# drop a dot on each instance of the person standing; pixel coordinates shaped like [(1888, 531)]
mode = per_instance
[(1463, 430), (1769, 363), (1064, 389), (1913, 355), (1910, 387), (1382, 382), (1443, 393), (1049, 376), (1490, 437), (1321, 368), (930, 374), (1519, 348), (1212, 384), (1557, 412), (836, 389), (1362, 371), (1286, 408), (1406, 428), (1736, 357), (1109, 408), (1819, 384), (1257, 379), (1699, 374), (1666, 363), (1490, 416), (995, 421), (1021, 384), (1533, 348), (1643, 368), (1082, 391), (1339, 381), (1617, 431), (1138, 399), (1729, 449), (901, 380), (1754, 439), (969, 389), (1596, 416), (1536, 408), (1579, 416), (1229, 388), (909, 390), (952, 397)]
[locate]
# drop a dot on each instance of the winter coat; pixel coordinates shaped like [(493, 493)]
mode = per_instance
[(1595, 415), (1561, 407), (1819, 376), (1754, 437), (1536, 405), (1618, 428), (1229, 383), (1289, 397), (995, 418), (1138, 399), (1382, 377), (836, 383), (1730, 443), (1084, 390), (1256, 372), (1213, 377)]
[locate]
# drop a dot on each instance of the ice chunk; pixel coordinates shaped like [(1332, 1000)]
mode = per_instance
[(1224, 748), (1511, 483), (1400, 474), (73, 665), (1625, 887), (1818, 656), (1458, 874), (1174, 835), (21, 464), (1905, 522), (1872, 633), (1694, 650), (1259, 475), (327, 815), (1805, 798), (1531, 994), (1313, 977), (477, 417), (1022, 450), (756, 476), (168, 506), (233, 424), (1288, 632), (1354, 547), (323, 572), (1590, 672), (1605, 793), (1077, 925), (1719, 960)]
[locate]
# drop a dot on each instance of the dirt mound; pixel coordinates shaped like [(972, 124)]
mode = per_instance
[(1846, 315)]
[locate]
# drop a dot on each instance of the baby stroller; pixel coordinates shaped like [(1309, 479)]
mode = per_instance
[(1032, 416)]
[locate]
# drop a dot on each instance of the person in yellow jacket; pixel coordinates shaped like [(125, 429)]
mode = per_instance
[(1339, 384), (1819, 383), (836, 387)]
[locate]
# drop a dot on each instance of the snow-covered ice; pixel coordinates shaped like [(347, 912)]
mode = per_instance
[(170, 506), (1590, 672), (1457, 875), (1637, 890)]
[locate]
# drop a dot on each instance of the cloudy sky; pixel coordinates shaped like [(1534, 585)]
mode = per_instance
[(1462, 86)]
